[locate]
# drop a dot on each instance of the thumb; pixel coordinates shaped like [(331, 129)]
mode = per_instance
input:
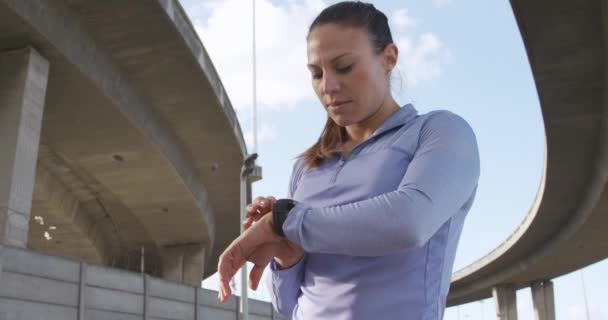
[(255, 276)]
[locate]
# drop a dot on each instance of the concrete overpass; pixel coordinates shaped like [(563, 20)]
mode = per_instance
[(117, 135), (565, 230)]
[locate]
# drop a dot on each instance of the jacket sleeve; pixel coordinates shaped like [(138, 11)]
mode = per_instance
[(284, 285), (440, 179)]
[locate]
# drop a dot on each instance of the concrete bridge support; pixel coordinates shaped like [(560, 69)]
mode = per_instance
[(544, 304), (23, 82), (184, 263), (506, 302)]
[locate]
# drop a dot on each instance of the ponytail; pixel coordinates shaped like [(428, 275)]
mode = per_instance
[(328, 143)]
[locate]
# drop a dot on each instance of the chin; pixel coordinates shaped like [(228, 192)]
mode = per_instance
[(345, 117), (342, 121)]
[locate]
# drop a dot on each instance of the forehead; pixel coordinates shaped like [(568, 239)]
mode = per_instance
[(330, 40)]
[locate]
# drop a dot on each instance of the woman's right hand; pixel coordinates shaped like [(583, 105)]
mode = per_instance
[(287, 253), (257, 209)]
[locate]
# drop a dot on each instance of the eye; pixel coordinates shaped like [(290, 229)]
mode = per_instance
[(346, 69), (316, 76)]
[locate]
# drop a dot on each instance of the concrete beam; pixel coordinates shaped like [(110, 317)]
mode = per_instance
[(23, 82), (56, 204), (543, 298), (184, 263), (506, 302)]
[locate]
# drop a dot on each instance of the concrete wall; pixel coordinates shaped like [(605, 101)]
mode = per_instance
[(39, 287)]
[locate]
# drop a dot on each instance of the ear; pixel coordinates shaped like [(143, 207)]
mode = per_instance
[(391, 53)]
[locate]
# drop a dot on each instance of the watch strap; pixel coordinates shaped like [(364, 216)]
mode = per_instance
[(280, 210)]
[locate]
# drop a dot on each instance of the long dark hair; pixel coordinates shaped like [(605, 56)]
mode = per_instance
[(348, 14)]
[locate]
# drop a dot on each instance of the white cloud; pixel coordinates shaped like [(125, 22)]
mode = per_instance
[(226, 32), (225, 28), (421, 58), (402, 19)]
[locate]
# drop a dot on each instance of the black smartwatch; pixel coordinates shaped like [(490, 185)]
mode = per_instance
[(280, 209)]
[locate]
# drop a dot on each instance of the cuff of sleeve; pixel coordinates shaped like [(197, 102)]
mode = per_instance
[(291, 270), (292, 227)]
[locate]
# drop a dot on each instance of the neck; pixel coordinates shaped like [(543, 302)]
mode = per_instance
[(361, 131)]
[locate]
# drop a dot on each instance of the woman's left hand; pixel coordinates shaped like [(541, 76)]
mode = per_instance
[(258, 245)]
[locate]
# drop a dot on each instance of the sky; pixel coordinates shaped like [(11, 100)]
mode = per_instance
[(465, 56)]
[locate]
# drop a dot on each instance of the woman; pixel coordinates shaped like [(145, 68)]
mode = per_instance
[(378, 202)]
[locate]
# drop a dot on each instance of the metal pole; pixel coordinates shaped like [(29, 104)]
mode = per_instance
[(245, 173), (246, 170), (255, 107), (585, 295), (244, 305)]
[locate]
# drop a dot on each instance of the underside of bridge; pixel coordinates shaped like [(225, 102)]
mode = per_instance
[(119, 144), (565, 229)]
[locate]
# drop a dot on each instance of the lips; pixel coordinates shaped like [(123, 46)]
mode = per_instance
[(338, 103)]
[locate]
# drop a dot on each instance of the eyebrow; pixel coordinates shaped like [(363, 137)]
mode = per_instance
[(332, 60)]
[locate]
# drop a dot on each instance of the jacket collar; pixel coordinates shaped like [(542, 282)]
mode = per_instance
[(404, 115), (397, 119)]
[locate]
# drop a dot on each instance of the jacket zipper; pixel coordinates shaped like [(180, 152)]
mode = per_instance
[(341, 163)]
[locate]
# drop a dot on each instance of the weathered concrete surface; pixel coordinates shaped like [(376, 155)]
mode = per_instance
[(137, 129), (36, 286), (566, 228), (23, 82)]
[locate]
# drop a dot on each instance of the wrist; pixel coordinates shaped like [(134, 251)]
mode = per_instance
[(268, 222)]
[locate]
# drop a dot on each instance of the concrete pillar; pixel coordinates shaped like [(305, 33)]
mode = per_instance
[(506, 302), (544, 304), (23, 80), (1, 251), (2, 313), (184, 263)]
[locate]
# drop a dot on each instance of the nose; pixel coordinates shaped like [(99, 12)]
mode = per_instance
[(330, 83)]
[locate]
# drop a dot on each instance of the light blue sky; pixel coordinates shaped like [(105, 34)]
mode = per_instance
[(462, 55)]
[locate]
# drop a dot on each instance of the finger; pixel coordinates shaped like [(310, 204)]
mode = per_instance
[(266, 204), (272, 200), (224, 291), (258, 215), (253, 207), (221, 295), (255, 276), (250, 209), (259, 201), (247, 223), (255, 210), (229, 263), (263, 202), (223, 282)]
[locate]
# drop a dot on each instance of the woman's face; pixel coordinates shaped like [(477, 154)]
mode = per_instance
[(349, 78)]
